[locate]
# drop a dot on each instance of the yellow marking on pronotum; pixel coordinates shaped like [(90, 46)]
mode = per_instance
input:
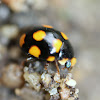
[(57, 45), (63, 61), (51, 58), (22, 40), (73, 61), (35, 51), (39, 35), (47, 26), (64, 36)]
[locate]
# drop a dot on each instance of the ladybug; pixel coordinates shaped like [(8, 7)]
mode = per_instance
[(46, 43)]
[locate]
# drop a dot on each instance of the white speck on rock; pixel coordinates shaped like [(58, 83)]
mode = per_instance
[(53, 91), (71, 83)]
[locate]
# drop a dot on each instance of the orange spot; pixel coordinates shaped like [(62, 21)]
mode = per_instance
[(64, 36), (47, 26), (35, 51), (51, 58), (39, 35), (73, 61), (63, 61), (22, 40), (57, 44)]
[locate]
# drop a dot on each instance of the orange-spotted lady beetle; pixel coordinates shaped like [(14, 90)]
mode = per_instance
[(46, 43)]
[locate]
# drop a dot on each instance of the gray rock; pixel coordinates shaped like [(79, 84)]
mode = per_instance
[(4, 13)]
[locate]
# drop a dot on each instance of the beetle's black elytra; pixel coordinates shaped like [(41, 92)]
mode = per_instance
[(48, 44)]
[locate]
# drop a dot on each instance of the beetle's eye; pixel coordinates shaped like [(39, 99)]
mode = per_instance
[(68, 64)]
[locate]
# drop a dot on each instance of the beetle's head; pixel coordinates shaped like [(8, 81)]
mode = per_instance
[(69, 63)]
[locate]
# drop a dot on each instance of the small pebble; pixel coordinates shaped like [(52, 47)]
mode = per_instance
[(9, 31), (33, 79), (25, 69), (17, 91), (46, 78), (4, 13), (75, 95), (57, 77), (12, 76), (71, 83), (40, 5), (27, 93), (64, 93), (76, 91), (71, 98), (3, 51), (53, 91), (16, 5), (14, 52)]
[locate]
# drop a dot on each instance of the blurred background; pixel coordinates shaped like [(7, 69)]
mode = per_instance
[(78, 19)]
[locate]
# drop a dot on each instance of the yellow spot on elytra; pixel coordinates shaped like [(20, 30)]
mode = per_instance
[(22, 40), (35, 51), (47, 26), (51, 58), (63, 61), (57, 45), (64, 36), (39, 35), (73, 61)]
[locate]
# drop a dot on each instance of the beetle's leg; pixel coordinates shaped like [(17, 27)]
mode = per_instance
[(23, 63), (58, 70), (69, 69), (46, 65), (63, 68)]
